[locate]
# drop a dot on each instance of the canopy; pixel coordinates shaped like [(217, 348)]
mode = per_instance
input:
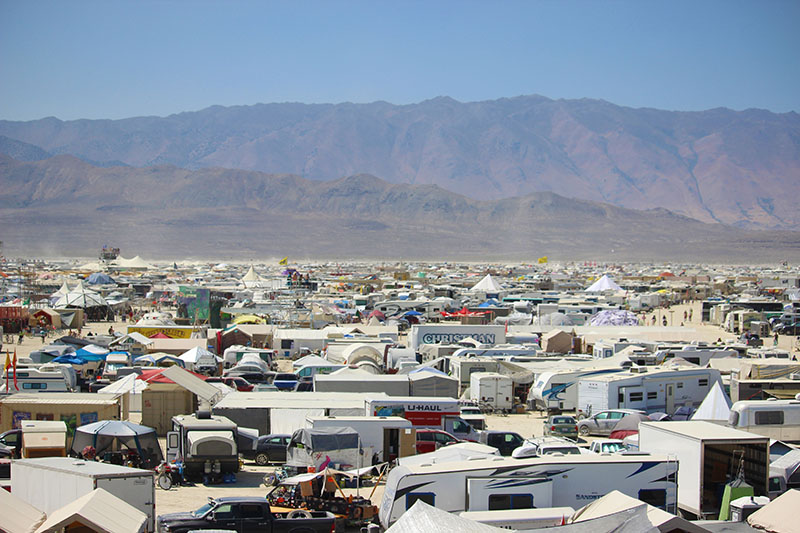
[(614, 317), (154, 375), (80, 298), (604, 284), (777, 514), (103, 435), (196, 354), (715, 406), (488, 285), (100, 278), (423, 517), (628, 425), (98, 511)]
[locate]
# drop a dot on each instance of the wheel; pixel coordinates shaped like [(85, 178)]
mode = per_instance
[(165, 481), (583, 430), (262, 459)]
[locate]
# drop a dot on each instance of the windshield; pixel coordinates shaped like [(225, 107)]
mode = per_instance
[(567, 450), (203, 510), (612, 447)]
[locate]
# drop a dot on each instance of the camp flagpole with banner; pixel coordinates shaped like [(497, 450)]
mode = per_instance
[(542, 260), (284, 261)]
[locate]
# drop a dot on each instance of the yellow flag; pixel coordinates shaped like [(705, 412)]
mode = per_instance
[(284, 261), (543, 259), (8, 361)]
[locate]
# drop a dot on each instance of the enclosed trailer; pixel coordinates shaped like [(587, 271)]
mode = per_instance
[(50, 483), (492, 389), (710, 456), (389, 437)]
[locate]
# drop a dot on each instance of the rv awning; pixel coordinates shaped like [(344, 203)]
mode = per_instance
[(204, 391), (781, 394), (195, 438)]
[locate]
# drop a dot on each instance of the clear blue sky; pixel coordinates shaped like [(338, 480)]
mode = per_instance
[(113, 59)]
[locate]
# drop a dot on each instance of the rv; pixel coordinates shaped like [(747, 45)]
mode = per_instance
[(438, 413), (389, 437), (462, 368), (776, 419), (206, 445), (538, 482), (558, 391), (646, 389), (50, 377)]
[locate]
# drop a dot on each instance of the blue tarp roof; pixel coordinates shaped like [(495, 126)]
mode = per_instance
[(70, 359), (99, 278), (89, 356)]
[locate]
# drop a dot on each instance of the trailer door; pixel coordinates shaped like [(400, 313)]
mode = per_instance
[(493, 493), (669, 390), (138, 492)]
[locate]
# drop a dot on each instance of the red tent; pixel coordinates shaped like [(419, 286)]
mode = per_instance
[(160, 335), (154, 376)]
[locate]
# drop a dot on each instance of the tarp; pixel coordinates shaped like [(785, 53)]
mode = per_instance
[(100, 278), (615, 501), (614, 317), (311, 447), (430, 382), (604, 284), (461, 451), (715, 406), (18, 516), (423, 517), (99, 511), (779, 515), (194, 383)]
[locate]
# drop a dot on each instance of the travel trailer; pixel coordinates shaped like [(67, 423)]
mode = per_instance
[(50, 377), (551, 481), (558, 390), (205, 443), (646, 389), (776, 419)]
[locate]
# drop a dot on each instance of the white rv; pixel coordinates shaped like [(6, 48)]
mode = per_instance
[(558, 390), (646, 389), (776, 419), (462, 368), (51, 377), (539, 482)]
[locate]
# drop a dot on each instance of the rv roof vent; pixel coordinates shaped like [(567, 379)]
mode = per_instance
[(203, 415)]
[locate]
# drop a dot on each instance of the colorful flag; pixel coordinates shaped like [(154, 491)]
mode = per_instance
[(543, 260), (284, 261), (6, 367)]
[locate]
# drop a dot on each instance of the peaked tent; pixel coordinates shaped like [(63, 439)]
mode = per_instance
[(18, 516), (715, 406), (98, 511), (488, 285), (100, 278), (779, 515), (604, 284), (424, 517)]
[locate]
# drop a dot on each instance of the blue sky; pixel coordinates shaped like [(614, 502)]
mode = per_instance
[(112, 59)]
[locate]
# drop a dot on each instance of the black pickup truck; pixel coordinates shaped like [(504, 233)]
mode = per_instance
[(246, 515)]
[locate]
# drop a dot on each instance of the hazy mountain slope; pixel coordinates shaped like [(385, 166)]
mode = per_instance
[(739, 168), (66, 206)]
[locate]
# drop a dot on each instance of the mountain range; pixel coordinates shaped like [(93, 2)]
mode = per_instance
[(64, 206), (739, 168)]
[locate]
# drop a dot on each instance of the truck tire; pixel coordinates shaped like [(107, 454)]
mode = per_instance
[(262, 459), (165, 481)]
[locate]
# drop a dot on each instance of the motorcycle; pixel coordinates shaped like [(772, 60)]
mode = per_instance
[(170, 474)]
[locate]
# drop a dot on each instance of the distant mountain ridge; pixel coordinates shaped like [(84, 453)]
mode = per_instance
[(736, 167), (65, 206)]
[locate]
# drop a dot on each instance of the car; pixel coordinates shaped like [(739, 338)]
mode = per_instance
[(788, 329), (546, 446), (603, 423), (430, 440), (562, 426), (234, 382), (269, 449), (12, 439), (607, 446), (245, 514), (505, 441), (285, 381)]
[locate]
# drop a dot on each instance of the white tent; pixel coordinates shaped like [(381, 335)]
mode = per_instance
[(604, 284), (18, 516), (715, 406), (98, 511), (423, 517), (196, 354), (615, 502), (463, 451), (80, 297), (779, 515), (487, 284), (136, 263)]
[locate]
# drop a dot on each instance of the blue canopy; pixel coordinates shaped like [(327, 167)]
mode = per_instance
[(99, 278), (89, 356)]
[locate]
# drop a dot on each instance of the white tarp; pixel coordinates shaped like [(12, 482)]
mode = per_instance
[(423, 517), (204, 391), (715, 406), (779, 515)]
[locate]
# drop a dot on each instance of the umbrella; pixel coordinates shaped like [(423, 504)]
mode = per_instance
[(628, 425), (103, 434)]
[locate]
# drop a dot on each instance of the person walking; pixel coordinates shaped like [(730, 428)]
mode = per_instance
[(664, 321)]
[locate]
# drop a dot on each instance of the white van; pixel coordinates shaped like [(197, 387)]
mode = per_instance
[(776, 419)]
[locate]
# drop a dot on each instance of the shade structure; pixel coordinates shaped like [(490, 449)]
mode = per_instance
[(628, 425), (81, 298), (487, 285), (98, 511), (105, 434), (100, 278)]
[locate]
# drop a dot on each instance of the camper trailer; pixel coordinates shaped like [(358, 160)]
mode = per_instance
[(539, 482), (205, 443), (646, 389), (558, 391), (776, 419), (462, 368), (51, 377)]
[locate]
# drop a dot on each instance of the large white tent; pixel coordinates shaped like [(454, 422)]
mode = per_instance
[(487, 285), (715, 406), (604, 284), (98, 511)]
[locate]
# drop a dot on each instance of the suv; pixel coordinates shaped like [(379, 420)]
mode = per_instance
[(505, 441), (603, 422), (430, 440), (234, 382), (546, 446), (269, 449)]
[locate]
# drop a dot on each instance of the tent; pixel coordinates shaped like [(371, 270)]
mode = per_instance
[(429, 382), (137, 263), (557, 341), (424, 517), (159, 359), (487, 285), (98, 511), (100, 278), (604, 284), (18, 516), (614, 317), (319, 448), (462, 451), (81, 298), (715, 406), (111, 434), (628, 425), (779, 515)]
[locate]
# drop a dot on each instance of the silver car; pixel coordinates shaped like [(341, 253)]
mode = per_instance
[(603, 422)]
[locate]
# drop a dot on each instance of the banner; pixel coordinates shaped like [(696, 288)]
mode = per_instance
[(543, 260)]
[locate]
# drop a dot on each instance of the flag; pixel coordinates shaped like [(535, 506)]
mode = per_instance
[(542, 260), (284, 261), (14, 365), (7, 366)]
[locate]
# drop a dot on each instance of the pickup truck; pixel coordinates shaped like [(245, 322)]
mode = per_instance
[(246, 515)]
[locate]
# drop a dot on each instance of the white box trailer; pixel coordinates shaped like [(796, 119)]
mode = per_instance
[(50, 483), (710, 456), (462, 368), (381, 433), (558, 390), (492, 389)]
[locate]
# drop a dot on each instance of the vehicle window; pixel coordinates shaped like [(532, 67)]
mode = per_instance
[(652, 395), (774, 484), (426, 497), (635, 397), (461, 427), (441, 437), (510, 437), (276, 440), (612, 447), (34, 386), (563, 420), (202, 510), (566, 450), (499, 502), (616, 415), (426, 436), (286, 440), (703, 383), (224, 512), (251, 510), (601, 416), (11, 439), (769, 417)]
